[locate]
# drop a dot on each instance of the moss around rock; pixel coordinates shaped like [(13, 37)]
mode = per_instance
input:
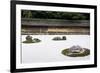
[(66, 52), (59, 38), (30, 40)]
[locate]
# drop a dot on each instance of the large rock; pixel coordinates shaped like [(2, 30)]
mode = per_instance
[(30, 40), (76, 51)]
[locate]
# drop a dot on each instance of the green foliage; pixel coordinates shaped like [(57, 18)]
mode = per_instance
[(55, 15), (26, 14)]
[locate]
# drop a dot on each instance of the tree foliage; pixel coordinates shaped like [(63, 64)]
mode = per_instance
[(55, 15)]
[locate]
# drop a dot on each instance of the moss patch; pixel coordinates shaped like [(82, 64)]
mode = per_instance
[(33, 41), (67, 53)]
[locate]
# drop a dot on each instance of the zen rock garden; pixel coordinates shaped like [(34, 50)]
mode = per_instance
[(76, 51), (30, 40), (36, 40)]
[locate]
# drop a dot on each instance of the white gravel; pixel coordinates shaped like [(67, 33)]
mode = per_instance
[(50, 51)]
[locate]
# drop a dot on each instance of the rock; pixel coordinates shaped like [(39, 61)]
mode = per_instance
[(75, 49), (57, 38), (64, 37), (30, 40), (60, 38)]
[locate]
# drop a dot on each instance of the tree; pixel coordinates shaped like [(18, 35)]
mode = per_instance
[(26, 14), (55, 15)]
